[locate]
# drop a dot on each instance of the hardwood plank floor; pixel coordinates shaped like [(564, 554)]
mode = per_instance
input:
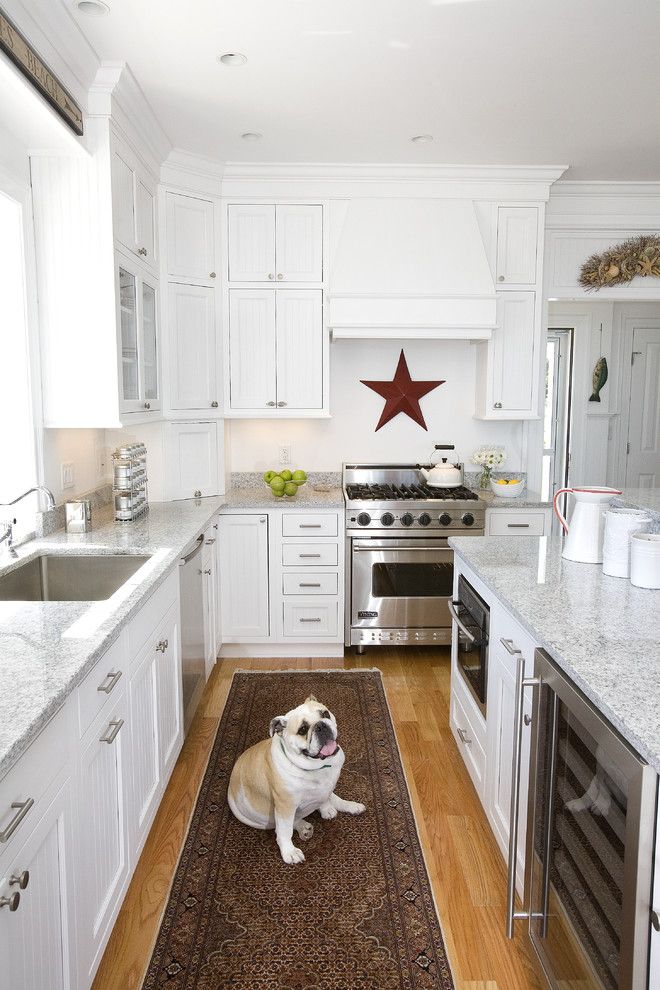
[(465, 865)]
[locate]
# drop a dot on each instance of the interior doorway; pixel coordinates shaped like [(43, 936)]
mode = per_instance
[(557, 411), (642, 464)]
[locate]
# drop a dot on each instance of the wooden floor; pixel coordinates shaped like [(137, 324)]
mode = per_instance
[(466, 867)]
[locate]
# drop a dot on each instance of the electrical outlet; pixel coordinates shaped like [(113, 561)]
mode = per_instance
[(285, 453), (68, 475)]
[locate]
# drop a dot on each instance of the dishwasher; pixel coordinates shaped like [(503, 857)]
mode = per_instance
[(193, 668)]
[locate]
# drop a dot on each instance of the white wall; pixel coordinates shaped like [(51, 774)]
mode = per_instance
[(322, 445), (85, 449)]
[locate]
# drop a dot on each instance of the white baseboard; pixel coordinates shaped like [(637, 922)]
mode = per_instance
[(273, 650)]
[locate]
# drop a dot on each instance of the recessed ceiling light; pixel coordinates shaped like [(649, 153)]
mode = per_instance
[(94, 7), (232, 58), (422, 138), (252, 136)]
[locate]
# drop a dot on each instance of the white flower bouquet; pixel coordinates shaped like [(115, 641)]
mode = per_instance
[(488, 458)]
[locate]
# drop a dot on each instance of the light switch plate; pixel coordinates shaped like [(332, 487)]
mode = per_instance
[(68, 475)]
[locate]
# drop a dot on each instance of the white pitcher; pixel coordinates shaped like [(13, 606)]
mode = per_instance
[(584, 535)]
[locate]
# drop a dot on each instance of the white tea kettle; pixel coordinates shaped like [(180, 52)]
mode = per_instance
[(584, 535), (443, 475)]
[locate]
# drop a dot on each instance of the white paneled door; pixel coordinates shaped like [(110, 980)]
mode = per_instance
[(169, 691), (192, 460), (144, 763), (514, 358), (299, 243), (299, 321), (252, 243), (244, 577), (517, 232), (252, 349), (193, 358), (643, 451), (123, 200), (190, 237)]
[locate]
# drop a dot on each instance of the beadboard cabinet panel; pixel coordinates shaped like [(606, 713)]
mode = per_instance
[(517, 238), (244, 577), (193, 371), (190, 250), (251, 243), (299, 243), (252, 349), (194, 458), (299, 322)]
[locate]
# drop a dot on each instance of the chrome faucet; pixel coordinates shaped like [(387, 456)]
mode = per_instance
[(8, 535)]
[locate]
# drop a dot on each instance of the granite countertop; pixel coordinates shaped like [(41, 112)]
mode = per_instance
[(526, 500), (45, 651), (603, 632), (641, 498), (307, 497)]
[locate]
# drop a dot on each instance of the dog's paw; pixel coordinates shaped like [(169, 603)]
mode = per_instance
[(293, 855), (305, 830), (327, 811), (354, 808)]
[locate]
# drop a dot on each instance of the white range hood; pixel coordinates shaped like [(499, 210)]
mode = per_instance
[(411, 268)]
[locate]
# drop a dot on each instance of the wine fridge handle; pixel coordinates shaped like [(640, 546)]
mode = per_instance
[(521, 683)]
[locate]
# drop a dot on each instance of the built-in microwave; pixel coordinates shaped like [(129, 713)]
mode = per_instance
[(472, 617)]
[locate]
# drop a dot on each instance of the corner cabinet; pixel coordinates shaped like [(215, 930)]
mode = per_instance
[(507, 364)]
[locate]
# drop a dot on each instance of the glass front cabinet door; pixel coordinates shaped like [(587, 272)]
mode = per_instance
[(139, 357)]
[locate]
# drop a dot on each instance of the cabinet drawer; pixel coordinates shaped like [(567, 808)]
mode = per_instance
[(470, 741), (310, 554), (309, 524), (29, 781), (151, 614), (310, 584), (516, 523), (100, 683), (310, 619)]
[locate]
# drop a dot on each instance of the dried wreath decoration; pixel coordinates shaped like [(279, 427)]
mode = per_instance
[(621, 263)]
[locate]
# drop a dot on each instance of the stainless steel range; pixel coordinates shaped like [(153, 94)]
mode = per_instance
[(399, 567)]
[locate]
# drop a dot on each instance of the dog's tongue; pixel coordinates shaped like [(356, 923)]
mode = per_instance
[(329, 749)]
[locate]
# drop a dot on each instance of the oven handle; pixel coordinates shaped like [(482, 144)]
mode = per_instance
[(385, 546), (464, 629)]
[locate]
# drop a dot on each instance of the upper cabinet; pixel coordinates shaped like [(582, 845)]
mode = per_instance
[(517, 239), (507, 386), (138, 337), (282, 243), (190, 238), (133, 205)]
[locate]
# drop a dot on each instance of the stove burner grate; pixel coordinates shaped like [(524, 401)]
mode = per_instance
[(384, 492)]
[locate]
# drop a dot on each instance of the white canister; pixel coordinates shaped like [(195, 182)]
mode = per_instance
[(645, 560), (620, 524)]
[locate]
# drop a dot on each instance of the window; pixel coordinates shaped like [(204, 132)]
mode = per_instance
[(17, 435)]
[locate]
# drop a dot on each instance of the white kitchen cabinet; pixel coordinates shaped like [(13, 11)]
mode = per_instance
[(507, 386), (138, 338), (144, 763), (244, 577), (190, 229), (169, 691), (194, 456), (103, 840), (654, 958), (192, 356), (517, 245), (209, 600), (133, 204), (518, 522), (38, 938), (282, 243), (276, 351)]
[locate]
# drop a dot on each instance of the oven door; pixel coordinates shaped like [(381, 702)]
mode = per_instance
[(401, 583)]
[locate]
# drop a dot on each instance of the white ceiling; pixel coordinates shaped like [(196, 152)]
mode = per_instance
[(515, 82)]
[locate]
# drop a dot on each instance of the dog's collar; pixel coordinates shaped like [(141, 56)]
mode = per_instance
[(324, 766)]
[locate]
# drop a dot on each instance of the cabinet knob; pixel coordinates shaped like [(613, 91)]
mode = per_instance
[(527, 719), (497, 405), (198, 494), (263, 519), (11, 902), (271, 403), (212, 275), (147, 405), (162, 645), (208, 570), (271, 276), (280, 276), (281, 403), (500, 278), (214, 405), (20, 879)]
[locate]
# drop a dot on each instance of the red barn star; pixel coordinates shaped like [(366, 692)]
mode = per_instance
[(402, 394)]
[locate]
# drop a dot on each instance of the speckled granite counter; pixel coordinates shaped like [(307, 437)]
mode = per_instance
[(262, 499), (603, 632), (526, 500), (641, 498), (42, 658)]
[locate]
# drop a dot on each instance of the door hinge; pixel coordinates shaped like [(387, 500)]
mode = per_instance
[(627, 448), (634, 355)]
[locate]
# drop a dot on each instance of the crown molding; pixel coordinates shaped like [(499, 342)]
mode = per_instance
[(369, 171), (186, 170), (603, 188)]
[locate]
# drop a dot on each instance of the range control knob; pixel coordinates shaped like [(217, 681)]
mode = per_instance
[(468, 519), (387, 519), (364, 519), (407, 519), (444, 519), (424, 519)]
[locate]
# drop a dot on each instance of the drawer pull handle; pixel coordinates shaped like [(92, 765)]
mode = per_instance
[(11, 902), (309, 584), (463, 736), (310, 525), (113, 731), (518, 525), (301, 555), (655, 920), (310, 620), (209, 543), (509, 647), (527, 719), (22, 808), (162, 645), (110, 682), (20, 879)]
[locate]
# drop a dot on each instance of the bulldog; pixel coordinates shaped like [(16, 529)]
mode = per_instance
[(279, 781)]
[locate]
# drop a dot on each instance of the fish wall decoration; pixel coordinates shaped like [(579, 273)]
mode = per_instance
[(598, 379)]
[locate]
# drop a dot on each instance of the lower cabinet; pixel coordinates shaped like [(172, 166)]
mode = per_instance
[(209, 599), (38, 894), (518, 521), (244, 577), (145, 763)]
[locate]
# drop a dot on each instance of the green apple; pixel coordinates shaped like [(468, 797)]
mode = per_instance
[(277, 484), (299, 477), (278, 492), (268, 477), (286, 474), (290, 488)]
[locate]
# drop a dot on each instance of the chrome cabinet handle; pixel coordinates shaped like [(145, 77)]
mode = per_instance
[(262, 519), (193, 553), (11, 902), (147, 405), (22, 808), (214, 404), (271, 403), (110, 681), (310, 620), (207, 571), (113, 731), (143, 252), (655, 920), (497, 405), (310, 525), (464, 629), (309, 555), (209, 543), (463, 736), (281, 403), (500, 278), (198, 493), (271, 276), (309, 584), (20, 879), (509, 647), (162, 645), (516, 766), (517, 525), (211, 274), (280, 276)]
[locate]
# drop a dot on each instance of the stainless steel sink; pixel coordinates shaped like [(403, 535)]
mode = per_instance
[(52, 577)]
